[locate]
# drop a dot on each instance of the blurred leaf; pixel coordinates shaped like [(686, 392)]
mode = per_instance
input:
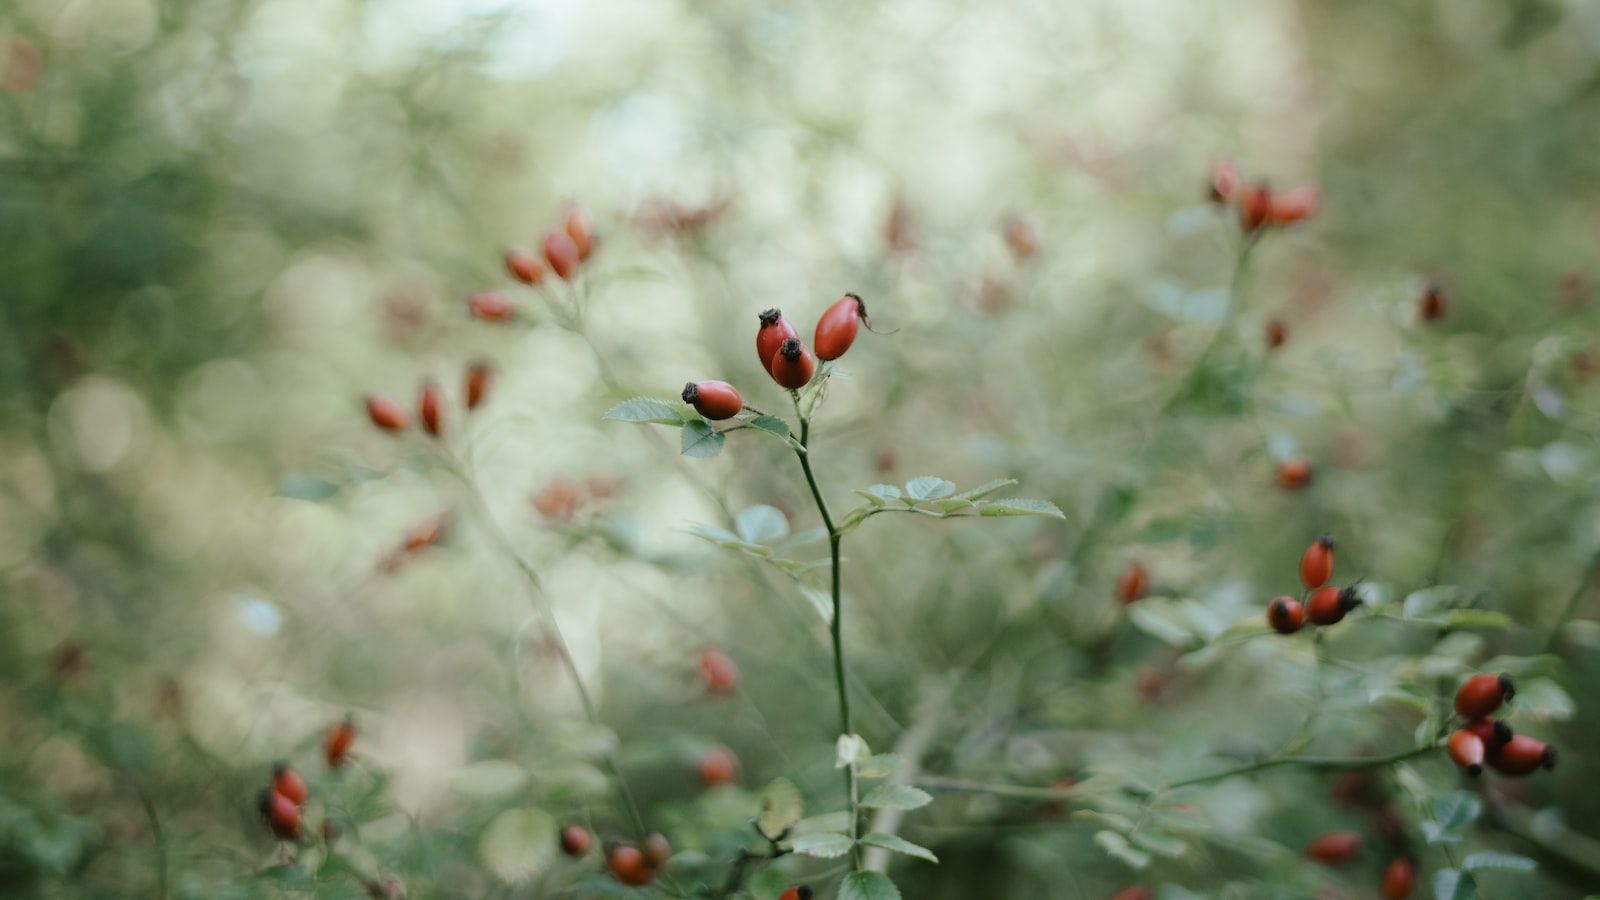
[(896, 796), (519, 844), (881, 766), (1450, 884), (834, 821), (1545, 700), (644, 409), (1159, 842), (311, 488), (1430, 600), (928, 487), (985, 489), (1118, 848), (867, 886), (712, 533), (849, 750), (824, 845), (488, 778), (1477, 618), (762, 524), (874, 499), (897, 844), (1502, 862), (781, 807), (1457, 809), (821, 601), (1163, 620), (700, 441), (1020, 507), (884, 491)]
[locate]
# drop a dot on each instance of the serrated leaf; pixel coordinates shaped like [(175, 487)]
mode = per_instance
[(772, 425), (1457, 809), (1450, 884), (1543, 699), (834, 821), (310, 488), (951, 504), (1431, 600), (700, 440), (1117, 846), (885, 491), (929, 487), (870, 497), (761, 524), (1477, 618), (1499, 862), (896, 844), (896, 796), (781, 807), (849, 750), (1020, 506), (646, 410), (867, 886), (489, 778), (985, 489), (823, 844), (881, 766)]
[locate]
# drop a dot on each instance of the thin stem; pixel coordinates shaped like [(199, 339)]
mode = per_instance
[(837, 625), (1589, 575), (1017, 791), (1310, 762), (158, 836)]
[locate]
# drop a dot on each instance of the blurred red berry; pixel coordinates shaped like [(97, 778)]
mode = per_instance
[(1522, 755), (575, 840), (1466, 751), (579, 227), (524, 266), (1399, 878), (479, 377), (288, 782), (1224, 180), (491, 306), (339, 740), (386, 413), (717, 765), (718, 671), (1334, 847), (561, 252), (1133, 583), (282, 815), (428, 408), (628, 866), (1294, 473), (1285, 615)]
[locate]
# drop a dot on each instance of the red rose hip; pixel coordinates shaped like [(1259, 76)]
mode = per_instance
[(1316, 564), (793, 365), (386, 413), (837, 328), (713, 399), (1285, 615), (1329, 605), (561, 252), (1483, 694), (1334, 847), (774, 330)]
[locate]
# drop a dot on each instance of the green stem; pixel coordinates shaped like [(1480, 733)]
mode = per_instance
[(1589, 576), (837, 625), (1020, 792), (158, 836), (1310, 762)]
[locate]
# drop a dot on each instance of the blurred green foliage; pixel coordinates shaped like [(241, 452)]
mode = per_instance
[(222, 223)]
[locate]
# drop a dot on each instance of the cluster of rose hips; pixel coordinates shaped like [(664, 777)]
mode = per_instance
[(564, 249), (1485, 739), (785, 357), (629, 863), (1326, 605), (387, 413), (280, 802), (1336, 848), (1260, 207)]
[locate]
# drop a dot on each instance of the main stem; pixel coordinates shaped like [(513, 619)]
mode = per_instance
[(837, 625), (1310, 762)]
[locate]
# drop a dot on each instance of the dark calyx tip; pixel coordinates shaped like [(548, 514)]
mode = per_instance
[(1508, 686), (804, 891), (771, 316), (690, 393), (1502, 732), (1550, 757), (1326, 541), (1349, 598), (1277, 609), (790, 349), (1475, 770)]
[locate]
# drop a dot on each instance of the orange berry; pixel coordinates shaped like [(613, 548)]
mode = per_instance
[(386, 413), (580, 229), (1481, 695), (428, 408), (1133, 583), (1399, 878), (561, 252), (288, 782), (718, 671), (575, 840), (1294, 473), (1522, 755), (1334, 847), (524, 266), (479, 377), (282, 815), (339, 740), (491, 306), (718, 765), (1466, 751)]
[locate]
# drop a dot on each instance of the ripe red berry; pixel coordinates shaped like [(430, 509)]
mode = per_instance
[(478, 379), (288, 782), (491, 306), (1285, 615), (1466, 751), (1493, 732), (337, 744), (1294, 473), (793, 365), (524, 266), (798, 892), (1293, 205), (1483, 694), (428, 408), (627, 865), (1522, 755), (718, 671), (1134, 892), (561, 252), (1132, 584), (775, 329), (713, 399), (282, 815), (717, 765), (1433, 303), (1316, 564), (1224, 180), (1399, 878), (1334, 847), (580, 229), (1255, 205), (1277, 331), (386, 413), (575, 840), (656, 850), (837, 328), (1329, 605)]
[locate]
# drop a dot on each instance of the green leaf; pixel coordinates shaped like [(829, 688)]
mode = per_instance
[(985, 489), (644, 409), (897, 844), (771, 424), (951, 504), (1458, 808), (896, 796), (761, 524), (849, 750), (867, 886), (872, 498), (712, 533), (700, 440), (781, 807), (1117, 846), (489, 778), (1543, 699), (1163, 620), (1478, 618), (1020, 506), (310, 488), (823, 844), (1428, 601), (1500, 862), (929, 488), (1159, 842), (885, 491), (1449, 884), (881, 766), (518, 844), (834, 821)]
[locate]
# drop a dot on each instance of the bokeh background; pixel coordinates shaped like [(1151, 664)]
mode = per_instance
[(222, 224)]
